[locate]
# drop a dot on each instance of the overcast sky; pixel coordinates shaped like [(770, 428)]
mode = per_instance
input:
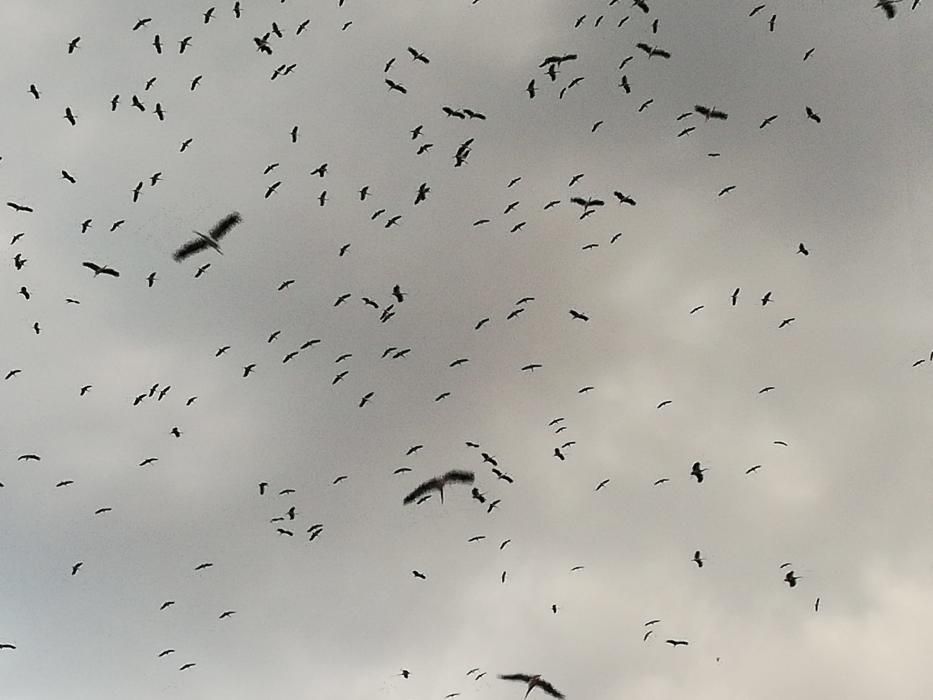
[(846, 501)]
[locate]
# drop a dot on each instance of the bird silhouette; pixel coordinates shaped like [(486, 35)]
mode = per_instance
[(220, 229), (533, 681), (438, 483)]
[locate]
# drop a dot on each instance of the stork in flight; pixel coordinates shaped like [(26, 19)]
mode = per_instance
[(533, 682)]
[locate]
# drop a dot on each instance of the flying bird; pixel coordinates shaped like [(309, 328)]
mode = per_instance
[(438, 483), (220, 229), (100, 269), (533, 681)]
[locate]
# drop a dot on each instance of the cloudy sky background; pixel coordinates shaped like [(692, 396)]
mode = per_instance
[(847, 501)]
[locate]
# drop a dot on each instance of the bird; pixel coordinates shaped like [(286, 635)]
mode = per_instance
[(166, 653), (726, 190), (69, 115), (766, 299), (73, 44), (767, 121), (418, 574), (533, 681), (697, 471), (100, 269), (886, 5), (205, 565), (813, 116), (397, 87), (710, 112), (19, 208), (530, 89), (735, 296), (455, 476), (75, 567), (365, 399), (220, 229), (802, 249), (791, 578), (503, 476), (786, 322), (418, 56), (228, 613), (578, 315), (697, 559), (653, 50), (601, 484), (186, 666), (677, 642), (752, 470)]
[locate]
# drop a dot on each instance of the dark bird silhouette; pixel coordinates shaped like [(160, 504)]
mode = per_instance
[(726, 190), (166, 653), (813, 115), (220, 229), (677, 642), (886, 5), (767, 121), (503, 476), (601, 484), (533, 681), (186, 666), (802, 249), (418, 574), (75, 567), (735, 296), (418, 56), (697, 471), (653, 50), (438, 483), (100, 269), (710, 112), (697, 559), (398, 87), (19, 207), (366, 398)]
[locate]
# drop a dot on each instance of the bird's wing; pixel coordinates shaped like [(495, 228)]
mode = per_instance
[(459, 476), (92, 266), (524, 677), (550, 689), (424, 488), (224, 225), (109, 271), (190, 248)]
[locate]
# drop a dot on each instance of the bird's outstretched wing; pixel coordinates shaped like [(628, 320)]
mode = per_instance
[(222, 227), (459, 476), (524, 677), (426, 487), (550, 689), (190, 248)]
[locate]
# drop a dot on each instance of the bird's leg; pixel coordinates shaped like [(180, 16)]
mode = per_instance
[(442, 494)]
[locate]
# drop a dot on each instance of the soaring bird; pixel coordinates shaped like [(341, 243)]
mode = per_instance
[(418, 56), (533, 682), (697, 471), (438, 483), (677, 642), (710, 112), (101, 269), (221, 228), (813, 115), (653, 51)]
